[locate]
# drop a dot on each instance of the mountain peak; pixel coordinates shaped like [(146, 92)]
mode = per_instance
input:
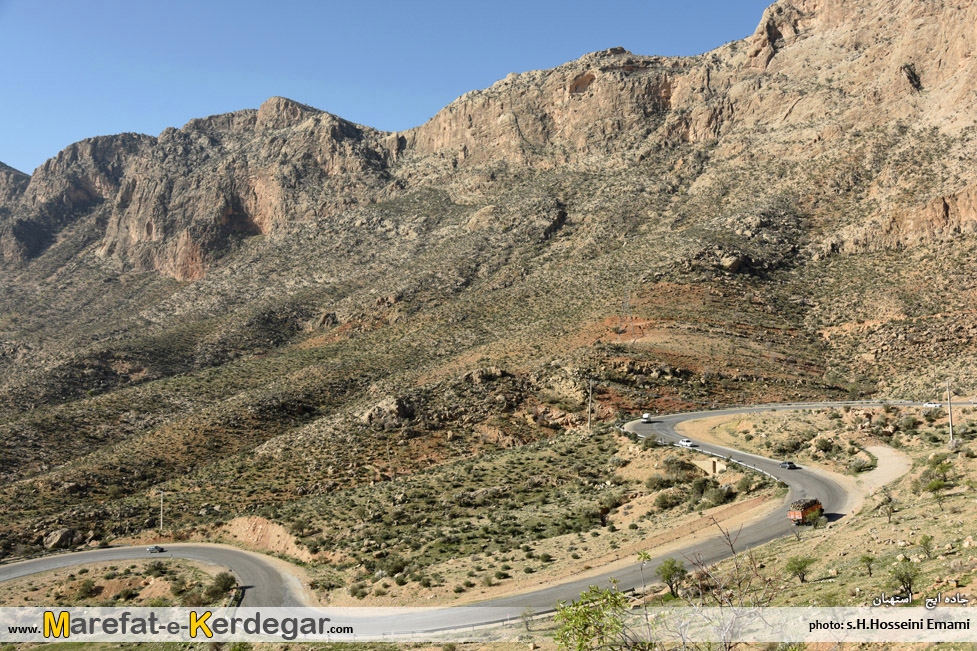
[(7, 169), (281, 112), (12, 182)]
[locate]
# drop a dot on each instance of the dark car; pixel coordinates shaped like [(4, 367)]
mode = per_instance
[(155, 549), (789, 465)]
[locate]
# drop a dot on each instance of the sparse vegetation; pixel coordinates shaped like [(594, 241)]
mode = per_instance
[(394, 362), (798, 566)]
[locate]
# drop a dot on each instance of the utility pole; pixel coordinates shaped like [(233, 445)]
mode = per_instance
[(631, 314), (627, 318), (590, 401), (621, 327), (161, 511), (949, 408)]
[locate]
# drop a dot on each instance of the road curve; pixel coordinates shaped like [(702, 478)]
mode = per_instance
[(263, 583), (711, 549), (266, 585), (802, 483)]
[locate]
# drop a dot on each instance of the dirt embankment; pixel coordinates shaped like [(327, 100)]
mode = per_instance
[(262, 535)]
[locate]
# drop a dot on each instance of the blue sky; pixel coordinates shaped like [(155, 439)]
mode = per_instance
[(79, 68)]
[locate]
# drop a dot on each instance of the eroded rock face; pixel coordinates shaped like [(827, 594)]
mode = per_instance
[(585, 108), (178, 202), (79, 179), (224, 178), (12, 183), (943, 217)]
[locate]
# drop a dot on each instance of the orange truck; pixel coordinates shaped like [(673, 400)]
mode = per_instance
[(801, 509)]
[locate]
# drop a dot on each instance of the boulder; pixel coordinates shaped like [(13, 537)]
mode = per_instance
[(389, 409), (59, 539)]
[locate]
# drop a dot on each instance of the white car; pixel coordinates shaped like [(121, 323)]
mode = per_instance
[(932, 405), (645, 418), (686, 443)]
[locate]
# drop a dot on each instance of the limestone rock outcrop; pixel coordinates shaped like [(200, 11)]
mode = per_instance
[(813, 71), (59, 539)]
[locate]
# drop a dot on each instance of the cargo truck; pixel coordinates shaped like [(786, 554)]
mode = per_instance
[(801, 509)]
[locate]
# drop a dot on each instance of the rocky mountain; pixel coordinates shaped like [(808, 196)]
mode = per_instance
[(813, 71), (787, 216)]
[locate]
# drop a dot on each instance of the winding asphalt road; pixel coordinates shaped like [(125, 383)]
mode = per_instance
[(265, 585)]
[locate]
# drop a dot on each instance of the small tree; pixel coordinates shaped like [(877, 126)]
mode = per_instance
[(943, 469), (672, 572), (665, 501), (937, 486), (744, 485), (600, 620), (915, 487), (926, 544), (904, 575), (798, 566), (178, 586), (824, 445), (596, 621), (224, 581), (887, 504), (298, 526), (156, 568), (643, 558), (867, 560)]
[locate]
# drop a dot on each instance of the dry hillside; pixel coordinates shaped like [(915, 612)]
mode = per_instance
[(268, 311)]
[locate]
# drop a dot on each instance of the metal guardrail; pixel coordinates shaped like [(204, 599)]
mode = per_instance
[(712, 454), (236, 598), (730, 459)]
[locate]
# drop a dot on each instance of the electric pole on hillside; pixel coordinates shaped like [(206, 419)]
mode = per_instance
[(621, 329), (949, 408), (590, 401), (627, 317), (631, 317), (161, 511)]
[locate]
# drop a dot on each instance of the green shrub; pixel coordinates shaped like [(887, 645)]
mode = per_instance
[(665, 501), (657, 482), (126, 594), (85, 589), (717, 496)]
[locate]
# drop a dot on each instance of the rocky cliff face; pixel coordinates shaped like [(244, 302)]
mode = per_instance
[(603, 105), (12, 183), (814, 71), (230, 176), (175, 203)]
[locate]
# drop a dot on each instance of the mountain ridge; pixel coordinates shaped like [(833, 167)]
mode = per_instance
[(787, 217), (607, 108)]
